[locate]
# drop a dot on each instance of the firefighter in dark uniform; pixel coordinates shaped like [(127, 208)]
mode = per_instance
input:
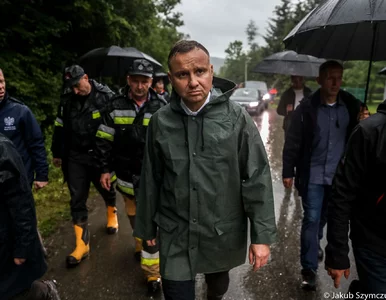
[(73, 145), (122, 138)]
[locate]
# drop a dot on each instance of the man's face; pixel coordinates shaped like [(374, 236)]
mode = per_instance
[(330, 81), (83, 87), (159, 86), (139, 85), (191, 75), (2, 86), (297, 82)]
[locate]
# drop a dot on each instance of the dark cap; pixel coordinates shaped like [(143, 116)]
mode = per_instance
[(72, 75), (141, 67)]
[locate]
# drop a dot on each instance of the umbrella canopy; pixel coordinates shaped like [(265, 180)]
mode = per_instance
[(290, 63), (113, 61), (342, 29)]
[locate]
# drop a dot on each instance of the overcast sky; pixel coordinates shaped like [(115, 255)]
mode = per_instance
[(216, 23)]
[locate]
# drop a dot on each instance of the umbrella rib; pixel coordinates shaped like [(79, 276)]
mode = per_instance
[(351, 39)]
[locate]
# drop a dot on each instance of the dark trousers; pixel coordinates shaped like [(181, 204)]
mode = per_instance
[(79, 179), (185, 290), (371, 268), (314, 220), (38, 291)]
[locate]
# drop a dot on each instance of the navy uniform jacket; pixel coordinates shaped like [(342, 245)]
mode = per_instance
[(19, 125)]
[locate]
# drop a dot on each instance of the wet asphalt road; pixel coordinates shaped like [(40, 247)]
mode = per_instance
[(112, 273)]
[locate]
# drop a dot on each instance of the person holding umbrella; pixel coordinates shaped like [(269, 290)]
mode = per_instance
[(358, 205), (121, 139), (291, 98), (73, 146), (314, 144)]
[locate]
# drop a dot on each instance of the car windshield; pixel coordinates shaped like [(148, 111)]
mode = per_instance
[(247, 93)]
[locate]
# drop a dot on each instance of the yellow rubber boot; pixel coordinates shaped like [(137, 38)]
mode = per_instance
[(82, 248), (112, 220)]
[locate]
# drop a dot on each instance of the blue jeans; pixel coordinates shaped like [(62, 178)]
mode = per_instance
[(314, 220), (371, 268)]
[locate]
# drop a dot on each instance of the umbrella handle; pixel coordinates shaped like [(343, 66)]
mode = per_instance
[(371, 60)]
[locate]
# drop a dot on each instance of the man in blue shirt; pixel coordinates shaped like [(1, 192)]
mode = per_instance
[(314, 144)]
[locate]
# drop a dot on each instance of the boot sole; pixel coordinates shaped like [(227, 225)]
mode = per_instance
[(74, 264)]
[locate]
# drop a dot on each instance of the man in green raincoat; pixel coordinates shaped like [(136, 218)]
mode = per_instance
[(205, 173)]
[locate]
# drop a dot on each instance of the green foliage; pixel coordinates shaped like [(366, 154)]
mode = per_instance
[(52, 202)]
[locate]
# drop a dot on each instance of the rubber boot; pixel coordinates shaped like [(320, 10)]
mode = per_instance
[(112, 220), (82, 248)]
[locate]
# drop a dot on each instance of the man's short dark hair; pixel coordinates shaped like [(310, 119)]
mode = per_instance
[(330, 64), (185, 46)]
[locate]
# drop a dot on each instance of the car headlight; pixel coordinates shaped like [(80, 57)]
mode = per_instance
[(253, 104), (267, 96)]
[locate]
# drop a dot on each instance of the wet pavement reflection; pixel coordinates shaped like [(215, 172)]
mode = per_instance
[(112, 273)]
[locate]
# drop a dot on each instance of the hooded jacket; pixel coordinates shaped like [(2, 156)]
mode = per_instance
[(19, 125), (203, 178), (18, 228), (359, 194)]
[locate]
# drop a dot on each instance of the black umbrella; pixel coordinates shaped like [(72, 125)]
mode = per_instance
[(290, 63), (342, 29), (113, 61)]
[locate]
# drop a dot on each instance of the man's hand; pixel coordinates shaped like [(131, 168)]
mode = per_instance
[(336, 275), (363, 114), (40, 184), (290, 108), (106, 181), (288, 182), (19, 261), (258, 255), (57, 162), (151, 243)]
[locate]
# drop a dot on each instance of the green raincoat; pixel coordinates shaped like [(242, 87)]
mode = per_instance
[(203, 177)]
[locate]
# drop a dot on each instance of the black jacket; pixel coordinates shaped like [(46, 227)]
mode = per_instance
[(288, 97), (358, 196), (19, 125), (122, 136), (77, 123), (18, 231), (298, 143)]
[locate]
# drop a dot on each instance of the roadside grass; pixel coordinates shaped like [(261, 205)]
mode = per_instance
[(52, 202)]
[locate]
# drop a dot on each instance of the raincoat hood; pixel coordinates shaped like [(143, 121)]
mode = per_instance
[(382, 108)]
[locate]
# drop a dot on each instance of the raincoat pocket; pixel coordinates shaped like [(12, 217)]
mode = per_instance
[(165, 222), (231, 234)]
